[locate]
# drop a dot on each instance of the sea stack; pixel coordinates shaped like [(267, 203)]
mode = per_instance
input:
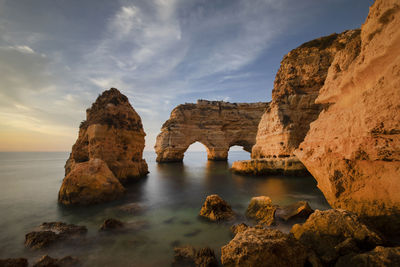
[(353, 148), (107, 154), (287, 119)]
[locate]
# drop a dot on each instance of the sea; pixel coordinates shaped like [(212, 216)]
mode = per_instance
[(170, 196)]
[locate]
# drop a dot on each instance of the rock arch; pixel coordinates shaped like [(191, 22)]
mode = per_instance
[(217, 125)]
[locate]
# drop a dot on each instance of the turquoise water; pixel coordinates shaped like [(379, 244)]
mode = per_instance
[(171, 195)]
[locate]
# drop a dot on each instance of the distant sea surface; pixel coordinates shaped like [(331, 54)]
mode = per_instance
[(171, 195)]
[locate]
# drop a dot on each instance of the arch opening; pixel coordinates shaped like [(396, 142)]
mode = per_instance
[(196, 151), (238, 152)]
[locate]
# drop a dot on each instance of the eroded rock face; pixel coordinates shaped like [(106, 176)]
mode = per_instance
[(353, 148), (18, 262), (380, 256), (334, 233), (286, 121), (111, 138), (262, 210), (263, 247), (300, 209), (216, 209), (216, 124), (189, 256)]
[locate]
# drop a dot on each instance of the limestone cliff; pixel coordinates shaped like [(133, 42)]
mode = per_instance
[(216, 124), (353, 148), (112, 133), (286, 121)]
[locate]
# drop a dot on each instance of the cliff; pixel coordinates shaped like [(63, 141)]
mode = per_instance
[(217, 125), (353, 148)]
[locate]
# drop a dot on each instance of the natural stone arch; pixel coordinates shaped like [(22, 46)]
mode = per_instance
[(217, 125)]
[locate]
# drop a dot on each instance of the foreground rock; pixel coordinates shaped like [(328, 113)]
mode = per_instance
[(237, 228), (334, 233), (112, 134), (286, 121), (111, 224), (47, 261), (216, 209), (217, 125), (353, 149), (19, 262), (188, 256), (380, 256), (263, 247), (53, 232), (262, 210), (300, 209)]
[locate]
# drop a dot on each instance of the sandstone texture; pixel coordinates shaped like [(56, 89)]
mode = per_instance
[(216, 209), (262, 210), (188, 256), (300, 209), (287, 119), (110, 144), (334, 233), (380, 256), (217, 125), (264, 247), (353, 148)]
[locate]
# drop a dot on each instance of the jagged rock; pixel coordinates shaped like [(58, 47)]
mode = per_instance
[(353, 148), (50, 233), (262, 210), (112, 133), (286, 121), (333, 233), (89, 183), (300, 209), (380, 256), (19, 262), (216, 209), (263, 247), (47, 261), (217, 125), (188, 256), (237, 228), (111, 224)]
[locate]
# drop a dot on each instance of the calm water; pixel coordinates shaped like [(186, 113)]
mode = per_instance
[(172, 195)]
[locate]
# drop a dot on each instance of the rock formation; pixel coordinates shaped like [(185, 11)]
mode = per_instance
[(17, 262), (300, 209), (188, 256), (111, 224), (262, 210), (216, 209), (108, 151), (380, 256), (217, 125), (353, 148), (286, 121), (47, 261)]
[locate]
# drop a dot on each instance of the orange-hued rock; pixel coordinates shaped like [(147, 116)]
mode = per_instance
[(353, 148), (217, 125), (216, 209), (286, 121), (90, 182)]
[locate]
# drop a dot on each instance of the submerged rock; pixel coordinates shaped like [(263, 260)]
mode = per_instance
[(111, 224), (216, 209), (53, 232), (18, 262), (300, 209), (188, 256), (262, 210), (131, 208), (264, 247), (380, 256), (333, 233), (47, 261)]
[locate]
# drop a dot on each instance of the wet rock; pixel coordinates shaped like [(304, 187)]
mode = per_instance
[(53, 232), (263, 247), (47, 261), (334, 233), (131, 208), (300, 209), (262, 210), (19, 262), (237, 228), (111, 224), (380, 256), (216, 209), (189, 256)]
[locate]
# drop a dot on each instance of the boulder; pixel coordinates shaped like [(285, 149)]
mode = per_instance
[(264, 247), (380, 256), (111, 224), (17, 262), (47, 261), (333, 233), (300, 209), (89, 183), (189, 256), (262, 210), (237, 228), (216, 209), (353, 148)]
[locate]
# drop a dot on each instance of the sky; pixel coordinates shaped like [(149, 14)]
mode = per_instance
[(57, 56)]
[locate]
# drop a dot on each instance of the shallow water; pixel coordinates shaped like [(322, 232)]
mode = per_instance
[(172, 195)]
